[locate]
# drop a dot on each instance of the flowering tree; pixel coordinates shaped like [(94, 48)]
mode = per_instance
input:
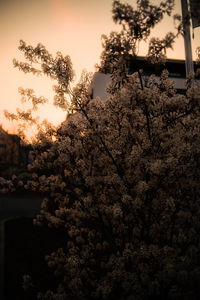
[(136, 27), (120, 178), (127, 195)]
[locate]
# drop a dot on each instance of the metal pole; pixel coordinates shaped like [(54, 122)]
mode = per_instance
[(187, 39)]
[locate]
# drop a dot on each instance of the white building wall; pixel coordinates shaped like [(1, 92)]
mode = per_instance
[(99, 84), (101, 80)]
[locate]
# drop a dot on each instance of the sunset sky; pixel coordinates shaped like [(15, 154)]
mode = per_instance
[(73, 27)]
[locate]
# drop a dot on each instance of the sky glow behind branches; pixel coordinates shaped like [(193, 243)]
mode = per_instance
[(73, 27)]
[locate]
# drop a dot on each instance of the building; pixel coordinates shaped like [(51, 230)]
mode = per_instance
[(15, 208), (175, 67)]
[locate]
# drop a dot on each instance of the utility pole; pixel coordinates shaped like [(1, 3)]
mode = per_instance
[(187, 38)]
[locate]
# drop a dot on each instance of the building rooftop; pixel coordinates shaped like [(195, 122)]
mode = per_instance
[(175, 67)]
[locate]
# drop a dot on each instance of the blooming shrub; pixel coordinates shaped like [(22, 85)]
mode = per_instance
[(127, 193)]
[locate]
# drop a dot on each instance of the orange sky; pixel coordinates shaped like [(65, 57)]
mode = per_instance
[(73, 27)]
